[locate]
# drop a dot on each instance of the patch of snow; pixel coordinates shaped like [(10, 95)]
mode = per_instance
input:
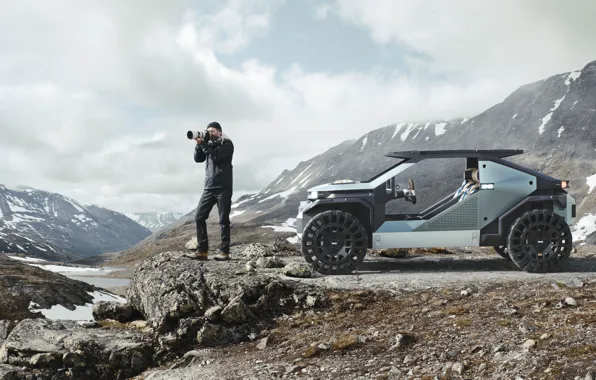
[(405, 134), (293, 239), (74, 204), (28, 259), (560, 130), (364, 142), (236, 213), (81, 312), (78, 270), (397, 129), (305, 180), (426, 125), (287, 226), (574, 103), (514, 116), (584, 227), (572, 77), (283, 194), (426, 138), (440, 128), (591, 180), (278, 181), (416, 135), (464, 120), (547, 118), (299, 175), (20, 247), (235, 205)]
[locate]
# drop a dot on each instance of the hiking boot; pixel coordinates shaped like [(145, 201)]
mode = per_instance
[(222, 256), (196, 255)]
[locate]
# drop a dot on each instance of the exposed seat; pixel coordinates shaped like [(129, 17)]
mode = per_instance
[(469, 186)]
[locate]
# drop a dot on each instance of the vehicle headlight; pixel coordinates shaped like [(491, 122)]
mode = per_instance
[(313, 194)]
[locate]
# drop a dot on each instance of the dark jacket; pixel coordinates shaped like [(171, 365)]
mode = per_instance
[(217, 156)]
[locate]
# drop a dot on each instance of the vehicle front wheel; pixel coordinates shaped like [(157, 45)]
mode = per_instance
[(539, 241), (502, 251), (334, 242)]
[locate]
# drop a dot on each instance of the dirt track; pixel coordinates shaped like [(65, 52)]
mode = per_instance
[(435, 271)]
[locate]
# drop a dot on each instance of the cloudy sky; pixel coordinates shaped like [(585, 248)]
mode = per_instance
[(96, 96)]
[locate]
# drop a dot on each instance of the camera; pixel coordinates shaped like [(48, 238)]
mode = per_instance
[(192, 135)]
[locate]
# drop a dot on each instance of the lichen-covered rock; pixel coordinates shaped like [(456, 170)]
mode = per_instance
[(281, 244), (300, 270), (121, 312), (256, 250), (64, 347), (6, 327)]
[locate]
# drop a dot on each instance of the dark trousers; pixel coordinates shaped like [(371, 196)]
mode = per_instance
[(223, 198)]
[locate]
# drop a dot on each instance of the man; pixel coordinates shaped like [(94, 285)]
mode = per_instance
[(217, 154)]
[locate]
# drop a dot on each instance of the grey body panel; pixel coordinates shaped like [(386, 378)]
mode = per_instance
[(463, 215), (425, 239), (510, 187)]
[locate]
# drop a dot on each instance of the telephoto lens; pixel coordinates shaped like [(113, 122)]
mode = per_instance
[(192, 135)]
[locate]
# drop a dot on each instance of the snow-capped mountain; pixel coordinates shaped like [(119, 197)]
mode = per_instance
[(54, 227), (552, 120), (154, 220)]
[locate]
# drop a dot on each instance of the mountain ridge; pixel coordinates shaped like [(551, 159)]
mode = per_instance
[(154, 221), (54, 227)]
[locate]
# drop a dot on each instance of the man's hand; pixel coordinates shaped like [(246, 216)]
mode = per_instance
[(199, 140)]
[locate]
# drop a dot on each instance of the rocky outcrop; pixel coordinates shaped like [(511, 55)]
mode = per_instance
[(22, 284), (65, 350), (189, 302), (175, 304)]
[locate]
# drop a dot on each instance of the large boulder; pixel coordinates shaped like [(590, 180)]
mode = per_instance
[(65, 350), (169, 287)]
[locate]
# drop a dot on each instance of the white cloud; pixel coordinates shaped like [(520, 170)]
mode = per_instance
[(518, 41), (96, 96)]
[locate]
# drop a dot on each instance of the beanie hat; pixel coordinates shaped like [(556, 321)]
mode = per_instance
[(214, 124)]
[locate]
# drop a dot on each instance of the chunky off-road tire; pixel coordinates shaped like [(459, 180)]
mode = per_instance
[(539, 241), (502, 251), (334, 242)]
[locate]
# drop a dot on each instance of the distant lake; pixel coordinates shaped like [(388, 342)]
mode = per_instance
[(102, 282)]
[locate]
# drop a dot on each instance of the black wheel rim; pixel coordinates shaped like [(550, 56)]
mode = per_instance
[(336, 241), (541, 238)]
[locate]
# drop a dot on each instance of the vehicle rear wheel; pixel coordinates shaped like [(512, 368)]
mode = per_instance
[(503, 251), (334, 242), (539, 241)]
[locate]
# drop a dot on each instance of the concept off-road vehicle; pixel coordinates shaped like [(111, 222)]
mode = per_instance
[(524, 214)]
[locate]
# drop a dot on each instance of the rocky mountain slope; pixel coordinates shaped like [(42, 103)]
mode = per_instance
[(154, 221), (551, 120), (53, 227)]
